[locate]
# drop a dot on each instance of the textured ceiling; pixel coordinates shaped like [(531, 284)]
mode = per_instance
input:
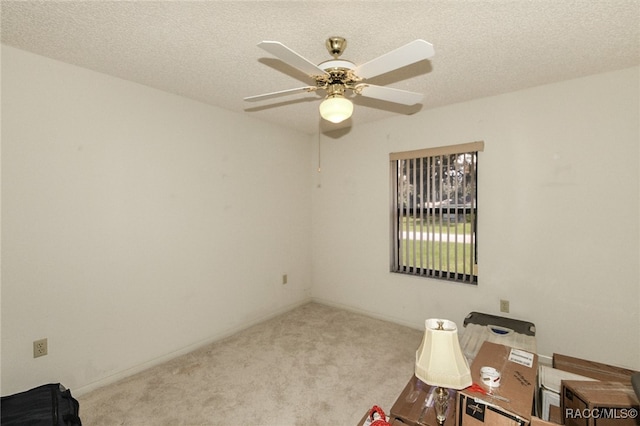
[(206, 50)]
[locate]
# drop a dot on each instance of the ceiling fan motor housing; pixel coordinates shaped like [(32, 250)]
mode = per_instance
[(339, 72)]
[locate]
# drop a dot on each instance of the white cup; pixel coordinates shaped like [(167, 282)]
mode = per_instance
[(490, 377)]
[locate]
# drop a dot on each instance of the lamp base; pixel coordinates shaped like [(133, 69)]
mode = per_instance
[(441, 403)]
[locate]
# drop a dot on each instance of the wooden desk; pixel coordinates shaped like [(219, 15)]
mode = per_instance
[(415, 406)]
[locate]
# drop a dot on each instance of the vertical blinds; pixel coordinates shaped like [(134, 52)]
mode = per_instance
[(434, 212)]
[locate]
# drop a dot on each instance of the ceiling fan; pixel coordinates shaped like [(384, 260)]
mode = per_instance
[(337, 77)]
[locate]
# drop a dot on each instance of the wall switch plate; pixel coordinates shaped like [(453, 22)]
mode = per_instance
[(504, 306), (40, 348)]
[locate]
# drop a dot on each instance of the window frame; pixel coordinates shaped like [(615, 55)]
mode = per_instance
[(398, 212)]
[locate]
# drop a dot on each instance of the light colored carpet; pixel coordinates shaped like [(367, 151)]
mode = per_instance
[(315, 365)]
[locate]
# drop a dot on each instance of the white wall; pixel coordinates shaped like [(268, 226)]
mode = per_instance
[(136, 223), (558, 215)]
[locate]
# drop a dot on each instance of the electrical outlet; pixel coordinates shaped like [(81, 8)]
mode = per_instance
[(504, 306), (40, 348), (285, 279)]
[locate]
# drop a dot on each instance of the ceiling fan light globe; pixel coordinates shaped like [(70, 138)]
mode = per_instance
[(336, 109)]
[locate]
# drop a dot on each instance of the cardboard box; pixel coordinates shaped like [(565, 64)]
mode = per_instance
[(415, 405), (518, 370), (592, 369), (536, 421), (555, 416), (599, 404), (549, 384)]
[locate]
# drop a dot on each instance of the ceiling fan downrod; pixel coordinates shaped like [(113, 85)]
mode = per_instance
[(336, 46)]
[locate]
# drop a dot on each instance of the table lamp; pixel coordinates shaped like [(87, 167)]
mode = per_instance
[(440, 362)]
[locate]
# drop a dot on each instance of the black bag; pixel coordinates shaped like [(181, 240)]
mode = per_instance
[(50, 404)]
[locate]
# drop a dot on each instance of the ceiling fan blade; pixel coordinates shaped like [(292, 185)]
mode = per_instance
[(280, 93), (292, 58), (408, 54), (390, 94)]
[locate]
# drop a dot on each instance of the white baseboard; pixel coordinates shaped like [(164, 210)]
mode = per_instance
[(542, 359), (233, 330), (373, 314), (185, 350)]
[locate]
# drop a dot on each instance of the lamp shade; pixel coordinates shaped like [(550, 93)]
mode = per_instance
[(439, 359), (336, 108)]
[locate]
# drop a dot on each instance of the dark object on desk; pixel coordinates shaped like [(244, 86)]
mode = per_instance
[(521, 327), (480, 328), (44, 405), (635, 381)]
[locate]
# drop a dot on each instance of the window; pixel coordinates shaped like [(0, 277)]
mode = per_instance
[(434, 212)]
